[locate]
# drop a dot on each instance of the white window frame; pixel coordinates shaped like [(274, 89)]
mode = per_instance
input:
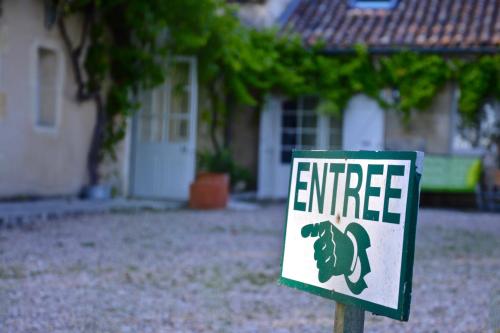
[(190, 61), (52, 46), (299, 111), (166, 89), (3, 92), (322, 130)]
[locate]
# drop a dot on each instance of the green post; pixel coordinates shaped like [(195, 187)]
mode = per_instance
[(348, 319)]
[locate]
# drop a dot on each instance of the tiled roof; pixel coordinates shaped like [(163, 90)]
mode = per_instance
[(454, 25)]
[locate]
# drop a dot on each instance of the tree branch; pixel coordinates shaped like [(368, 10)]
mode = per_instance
[(84, 33), (75, 54), (94, 156), (214, 117)]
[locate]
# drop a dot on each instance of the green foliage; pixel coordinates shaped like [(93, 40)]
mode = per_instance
[(417, 78), (218, 162), (478, 80), (132, 40), (281, 64), (223, 162)]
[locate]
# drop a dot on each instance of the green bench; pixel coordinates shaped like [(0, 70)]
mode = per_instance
[(452, 181), (451, 174)]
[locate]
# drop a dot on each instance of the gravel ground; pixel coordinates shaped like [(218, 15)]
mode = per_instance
[(188, 271)]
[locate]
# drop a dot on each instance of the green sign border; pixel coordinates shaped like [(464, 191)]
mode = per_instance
[(405, 284)]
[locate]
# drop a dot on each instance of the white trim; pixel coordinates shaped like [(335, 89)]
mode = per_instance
[(269, 147), (193, 71), (166, 91), (272, 172), (127, 157), (53, 46), (193, 100)]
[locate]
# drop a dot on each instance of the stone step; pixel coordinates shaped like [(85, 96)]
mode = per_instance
[(25, 212)]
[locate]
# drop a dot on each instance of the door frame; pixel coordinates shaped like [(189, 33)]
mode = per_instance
[(193, 124), (270, 130)]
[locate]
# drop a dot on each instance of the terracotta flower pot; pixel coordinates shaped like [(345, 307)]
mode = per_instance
[(209, 191)]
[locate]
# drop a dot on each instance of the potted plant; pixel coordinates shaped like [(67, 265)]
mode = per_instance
[(210, 190)]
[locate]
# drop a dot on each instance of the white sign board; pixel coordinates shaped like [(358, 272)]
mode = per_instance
[(350, 228)]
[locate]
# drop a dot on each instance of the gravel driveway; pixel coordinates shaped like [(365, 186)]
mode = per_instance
[(185, 271)]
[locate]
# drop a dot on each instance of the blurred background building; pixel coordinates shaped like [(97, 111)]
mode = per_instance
[(45, 134)]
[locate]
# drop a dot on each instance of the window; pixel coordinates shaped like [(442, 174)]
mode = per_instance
[(152, 117), (374, 4), (302, 127), (179, 104), (46, 88), (298, 126), (166, 108)]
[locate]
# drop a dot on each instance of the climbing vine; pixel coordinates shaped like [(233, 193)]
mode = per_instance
[(127, 45), (416, 77)]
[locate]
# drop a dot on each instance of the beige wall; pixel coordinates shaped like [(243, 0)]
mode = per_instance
[(429, 130), (203, 141), (35, 161), (244, 143), (245, 139)]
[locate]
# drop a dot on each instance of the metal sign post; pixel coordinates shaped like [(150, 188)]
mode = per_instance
[(350, 231)]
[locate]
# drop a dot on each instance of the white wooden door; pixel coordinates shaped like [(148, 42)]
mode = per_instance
[(363, 127), (286, 125), (164, 153)]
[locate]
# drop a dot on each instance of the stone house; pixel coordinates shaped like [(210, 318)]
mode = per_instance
[(45, 134), (464, 27)]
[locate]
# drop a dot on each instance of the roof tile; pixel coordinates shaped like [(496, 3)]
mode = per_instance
[(457, 24)]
